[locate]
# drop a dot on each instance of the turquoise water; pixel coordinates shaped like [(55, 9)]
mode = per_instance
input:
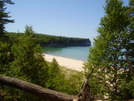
[(79, 53)]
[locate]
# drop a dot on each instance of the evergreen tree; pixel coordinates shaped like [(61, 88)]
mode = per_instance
[(5, 56), (28, 61), (4, 16), (107, 55), (28, 64), (54, 76)]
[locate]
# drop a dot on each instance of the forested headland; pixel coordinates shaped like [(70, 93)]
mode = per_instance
[(54, 41)]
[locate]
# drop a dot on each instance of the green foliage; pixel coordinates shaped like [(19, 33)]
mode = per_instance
[(54, 75), (110, 77), (28, 64), (73, 83), (63, 80), (28, 60), (5, 57)]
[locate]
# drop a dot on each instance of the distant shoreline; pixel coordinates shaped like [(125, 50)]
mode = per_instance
[(66, 62)]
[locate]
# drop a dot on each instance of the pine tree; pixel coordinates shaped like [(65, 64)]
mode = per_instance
[(4, 16), (28, 61), (5, 56), (54, 76), (107, 55)]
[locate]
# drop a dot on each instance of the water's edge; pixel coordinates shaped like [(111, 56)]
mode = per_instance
[(78, 53)]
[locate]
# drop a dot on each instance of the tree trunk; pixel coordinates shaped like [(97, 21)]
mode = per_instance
[(35, 89), (130, 65)]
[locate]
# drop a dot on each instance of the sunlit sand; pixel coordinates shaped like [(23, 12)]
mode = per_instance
[(66, 62)]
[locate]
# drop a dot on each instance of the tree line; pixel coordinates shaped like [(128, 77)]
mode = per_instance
[(53, 41)]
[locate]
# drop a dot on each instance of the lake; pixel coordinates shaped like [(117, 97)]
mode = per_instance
[(79, 53)]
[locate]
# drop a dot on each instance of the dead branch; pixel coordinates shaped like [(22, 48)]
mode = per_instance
[(85, 94), (35, 89)]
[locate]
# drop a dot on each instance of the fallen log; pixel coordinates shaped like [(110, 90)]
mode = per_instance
[(35, 89)]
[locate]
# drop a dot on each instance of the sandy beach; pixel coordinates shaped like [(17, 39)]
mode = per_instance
[(66, 62)]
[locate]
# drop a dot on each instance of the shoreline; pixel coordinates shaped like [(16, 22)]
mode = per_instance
[(65, 62)]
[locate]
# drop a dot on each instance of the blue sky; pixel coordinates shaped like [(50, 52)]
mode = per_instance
[(70, 18)]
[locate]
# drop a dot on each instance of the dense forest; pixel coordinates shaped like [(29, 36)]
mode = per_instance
[(108, 73), (54, 41)]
